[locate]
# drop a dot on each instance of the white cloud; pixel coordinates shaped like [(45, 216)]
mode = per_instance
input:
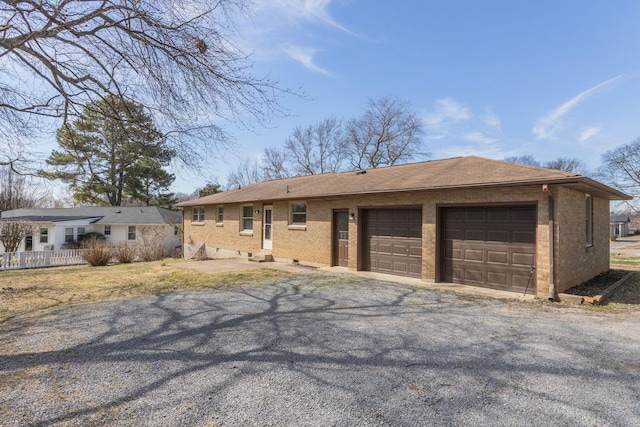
[(295, 11), (448, 110), (547, 126), (588, 133), (479, 137), (490, 118), (305, 56)]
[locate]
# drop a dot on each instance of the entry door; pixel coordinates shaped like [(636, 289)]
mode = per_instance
[(28, 243), (267, 227), (341, 238)]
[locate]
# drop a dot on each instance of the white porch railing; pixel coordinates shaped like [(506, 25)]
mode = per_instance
[(36, 259)]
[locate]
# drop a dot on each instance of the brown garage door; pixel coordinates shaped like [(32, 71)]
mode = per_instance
[(393, 241), (493, 247)]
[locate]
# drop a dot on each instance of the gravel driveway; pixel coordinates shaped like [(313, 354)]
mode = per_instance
[(319, 351)]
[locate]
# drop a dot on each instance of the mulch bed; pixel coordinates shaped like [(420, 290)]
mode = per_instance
[(598, 284)]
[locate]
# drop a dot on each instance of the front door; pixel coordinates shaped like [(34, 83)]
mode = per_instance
[(28, 243), (267, 227), (341, 238)]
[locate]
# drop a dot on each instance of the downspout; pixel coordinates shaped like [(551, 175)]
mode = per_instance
[(552, 244)]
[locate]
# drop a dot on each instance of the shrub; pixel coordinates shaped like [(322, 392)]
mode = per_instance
[(96, 252), (125, 253), (151, 243), (90, 235)]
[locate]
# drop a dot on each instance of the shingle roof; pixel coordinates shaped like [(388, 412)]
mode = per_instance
[(619, 218), (460, 172), (146, 215)]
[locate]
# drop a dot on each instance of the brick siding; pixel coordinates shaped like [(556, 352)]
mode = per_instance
[(574, 262)]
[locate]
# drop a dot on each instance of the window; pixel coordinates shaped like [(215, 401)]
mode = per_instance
[(298, 214), (589, 219), (68, 235), (198, 215), (220, 214), (247, 218), (107, 230), (44, 235), (131, 235), (81, 232)]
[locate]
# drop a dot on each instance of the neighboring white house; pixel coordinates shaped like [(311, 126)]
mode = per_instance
[(60, 228), (619, 225)]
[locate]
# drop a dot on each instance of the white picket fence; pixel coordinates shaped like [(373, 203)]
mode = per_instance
[(37, 259)]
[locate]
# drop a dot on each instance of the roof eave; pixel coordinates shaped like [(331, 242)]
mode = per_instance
[(579, 182)]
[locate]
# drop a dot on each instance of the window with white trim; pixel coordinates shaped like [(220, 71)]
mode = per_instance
[(44, 235), (247, 218), (220, 214), (198, 215), (68, 235), (298, 214), (589, 219), (81, 232), (107, 230), (131, 233)]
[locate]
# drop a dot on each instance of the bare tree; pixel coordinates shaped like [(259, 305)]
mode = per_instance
[(621, 168), (274, 164), (18, 191), (567, 164), (178, 59), (527, 160), (13, 232), (316, 148), (247, 173), (387, 134)]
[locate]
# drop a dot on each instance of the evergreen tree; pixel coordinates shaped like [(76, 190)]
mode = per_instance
[(113, 151)]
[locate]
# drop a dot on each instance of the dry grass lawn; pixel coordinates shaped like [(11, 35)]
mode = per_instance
[(28, 291)]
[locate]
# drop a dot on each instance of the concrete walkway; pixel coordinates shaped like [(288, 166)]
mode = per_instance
[(229, 265)]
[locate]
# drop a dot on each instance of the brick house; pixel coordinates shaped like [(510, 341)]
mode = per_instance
[(466, 220)]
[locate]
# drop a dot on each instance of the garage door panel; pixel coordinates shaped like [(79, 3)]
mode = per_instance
[(395, 241), (473, 276), (474, 215), (497, 215), (498, 235), (474, 235), (497, 279), (453, 234), (522, 259), (498, 257), (497, 251), (522, 236), (473, 255), (524, 215), (415, 251), (400, 249), (520, 281), (383, 248)]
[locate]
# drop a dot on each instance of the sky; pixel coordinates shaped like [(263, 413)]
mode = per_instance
[(489, 78)]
